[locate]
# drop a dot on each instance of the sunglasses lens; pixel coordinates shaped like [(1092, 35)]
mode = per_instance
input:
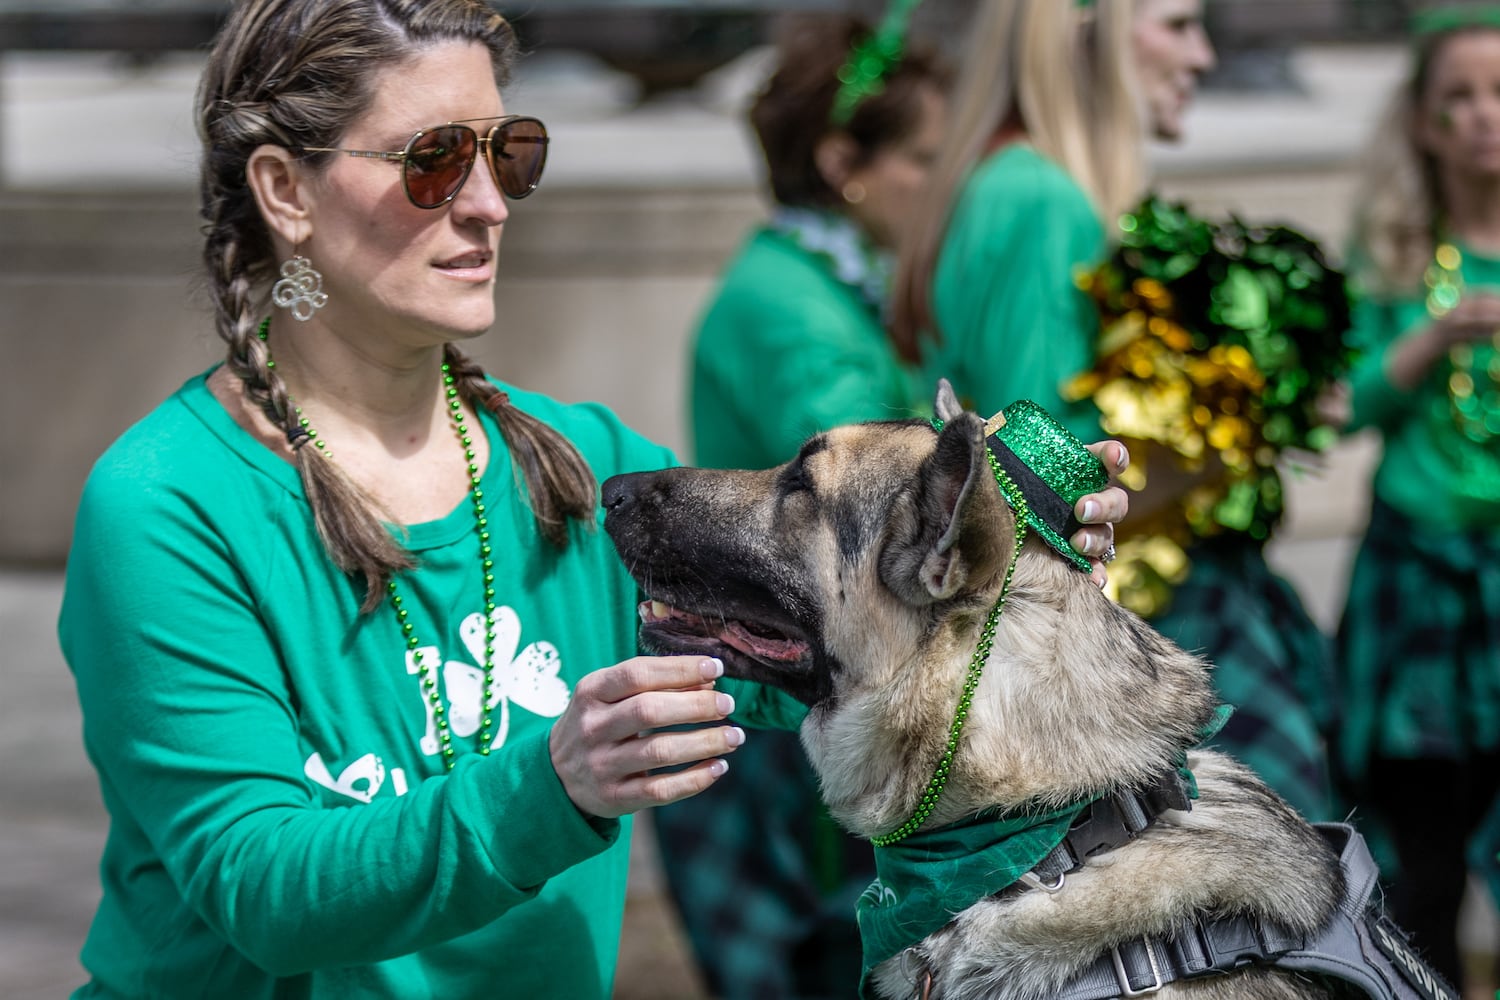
[(437, 164), (518, 151)]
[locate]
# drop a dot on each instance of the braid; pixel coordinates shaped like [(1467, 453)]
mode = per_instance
[(559, 483), (353, 535)]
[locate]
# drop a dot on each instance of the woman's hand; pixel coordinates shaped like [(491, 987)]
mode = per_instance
[(605, 747), (1475, 318), (1100, 512)]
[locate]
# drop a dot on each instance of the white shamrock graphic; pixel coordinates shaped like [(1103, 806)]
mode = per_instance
[(360, 780), (530, 679)]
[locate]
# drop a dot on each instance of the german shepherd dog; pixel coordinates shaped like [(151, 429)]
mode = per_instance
[(857, 578)]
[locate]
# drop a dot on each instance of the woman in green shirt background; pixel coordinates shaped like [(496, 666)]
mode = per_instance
[(1045, 154), (1419, 642), (792, 343)]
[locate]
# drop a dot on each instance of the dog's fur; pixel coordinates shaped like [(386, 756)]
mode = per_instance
[(857, 578)]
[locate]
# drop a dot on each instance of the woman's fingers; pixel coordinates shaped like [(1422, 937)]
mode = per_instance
[(607, 744), (1477, 317), (657, 750), (1114, 455), (1100, 512), (651, 673), (1094, 541), (663, 789)]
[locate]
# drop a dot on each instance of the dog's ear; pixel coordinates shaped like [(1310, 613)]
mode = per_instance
[(958, 530), (946, 406)]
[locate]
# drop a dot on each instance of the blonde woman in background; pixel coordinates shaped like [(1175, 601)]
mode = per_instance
[(1045, 144), (1051, 114), (1419, 643)]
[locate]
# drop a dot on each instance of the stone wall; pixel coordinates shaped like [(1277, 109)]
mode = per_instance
[(102, 314)]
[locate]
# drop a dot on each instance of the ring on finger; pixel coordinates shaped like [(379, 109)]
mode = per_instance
[(1109, 554)]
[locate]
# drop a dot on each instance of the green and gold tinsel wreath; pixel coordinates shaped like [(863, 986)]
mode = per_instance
[(1218, 338)]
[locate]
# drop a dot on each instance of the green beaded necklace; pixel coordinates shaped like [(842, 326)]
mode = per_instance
[(428, 671), (934, 790), (1475, 410)]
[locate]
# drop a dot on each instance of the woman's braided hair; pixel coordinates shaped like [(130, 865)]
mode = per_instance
[(296, 73)]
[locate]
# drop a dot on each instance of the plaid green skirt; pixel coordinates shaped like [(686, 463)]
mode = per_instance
[(1270, 661), (1418, 648)]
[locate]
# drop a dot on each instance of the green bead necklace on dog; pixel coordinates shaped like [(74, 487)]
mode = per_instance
[(934, 790), (428, 674)]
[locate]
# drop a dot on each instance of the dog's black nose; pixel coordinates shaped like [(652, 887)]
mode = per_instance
[(617, 491)]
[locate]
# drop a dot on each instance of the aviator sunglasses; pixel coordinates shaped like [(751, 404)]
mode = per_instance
[(436, 161)]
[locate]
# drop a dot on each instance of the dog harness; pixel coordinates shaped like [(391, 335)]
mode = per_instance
[(925, 880), (1359, 946)]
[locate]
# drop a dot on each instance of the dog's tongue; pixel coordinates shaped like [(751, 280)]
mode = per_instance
[(733, 633), (745, 641)]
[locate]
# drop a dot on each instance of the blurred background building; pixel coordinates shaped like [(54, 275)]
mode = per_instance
[(651, 182)]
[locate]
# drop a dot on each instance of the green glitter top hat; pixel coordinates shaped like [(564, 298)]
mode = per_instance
[(1050, 467)]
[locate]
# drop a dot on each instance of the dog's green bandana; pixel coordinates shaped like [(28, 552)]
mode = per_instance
[(926, 880), (931, 876)]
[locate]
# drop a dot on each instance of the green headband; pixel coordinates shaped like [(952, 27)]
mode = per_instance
[(871, 61), (1437, 20)]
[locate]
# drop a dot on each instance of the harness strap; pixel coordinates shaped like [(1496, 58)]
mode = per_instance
[(1358, 946), (1106, 824)]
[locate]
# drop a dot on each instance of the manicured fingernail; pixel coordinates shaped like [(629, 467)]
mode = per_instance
[(725, 703), (1124, 460), (1090, 509), (718, 767), (712, 668), (735, 737), (1100, 583)]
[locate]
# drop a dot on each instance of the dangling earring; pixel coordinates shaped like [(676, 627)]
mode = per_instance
[(300, 288), (853, 192)]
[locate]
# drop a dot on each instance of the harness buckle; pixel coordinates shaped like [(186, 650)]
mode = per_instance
[(1122, 977), (1032, 880)]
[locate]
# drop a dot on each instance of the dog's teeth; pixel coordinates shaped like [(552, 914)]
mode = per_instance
[(660, 610)]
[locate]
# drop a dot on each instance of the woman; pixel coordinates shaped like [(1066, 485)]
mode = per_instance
[(769, 370), (1419, 642), (1045, 152), (346, 677), (793, 343)]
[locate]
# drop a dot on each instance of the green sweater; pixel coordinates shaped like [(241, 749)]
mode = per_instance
[(1021, 216), (1426, 471), (280, 822), (784, 351)]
